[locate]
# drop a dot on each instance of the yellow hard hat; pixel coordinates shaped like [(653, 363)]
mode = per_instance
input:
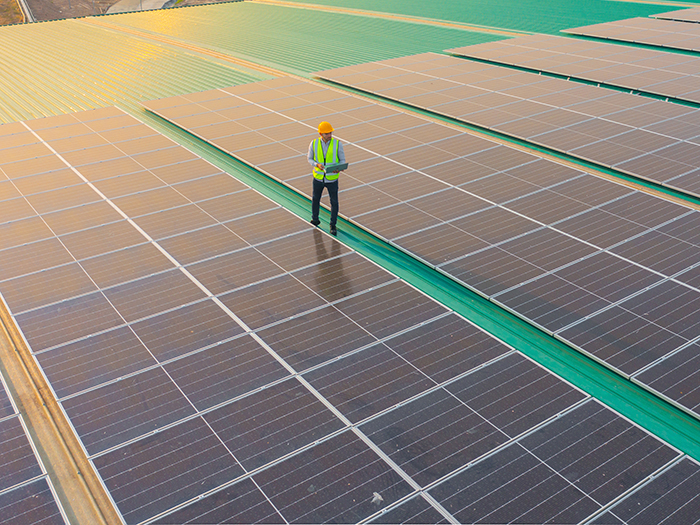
[(325, 127)]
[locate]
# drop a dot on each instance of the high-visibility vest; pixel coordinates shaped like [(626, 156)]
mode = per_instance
[(330, 157)]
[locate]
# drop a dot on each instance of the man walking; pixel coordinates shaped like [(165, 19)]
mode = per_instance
[(323, 151)]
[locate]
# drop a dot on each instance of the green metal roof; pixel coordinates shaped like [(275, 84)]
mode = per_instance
[(539, 16), (70, 65), (299, 40)]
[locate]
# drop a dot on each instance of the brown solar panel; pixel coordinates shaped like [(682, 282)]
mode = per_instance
[(429, 132), (102, 239), (564, 139), (397, 220), (526, 127), (502, 157), (235, 205), (63, 198), (689, 183), (544, 173), (46, 181), (459, 171), (23, 168), (17, 233), (449, 204), (128, 184), (500, 188), (117, 267), (363, 199), (441, 243), (234, 270), (422, 157), (373, 170), (409, 186), (183, 171), (202, 243), (210, 187), (389, 143), (174, 221)]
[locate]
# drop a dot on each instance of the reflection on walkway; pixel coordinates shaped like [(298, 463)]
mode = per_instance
[(330, 276)]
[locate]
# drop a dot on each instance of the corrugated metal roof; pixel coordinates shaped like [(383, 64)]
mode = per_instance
[(70, 65), (297, 40), (541, 16)]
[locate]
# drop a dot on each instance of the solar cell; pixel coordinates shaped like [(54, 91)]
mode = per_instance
[(33, 502)]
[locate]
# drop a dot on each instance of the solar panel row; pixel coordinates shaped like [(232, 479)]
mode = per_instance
[(307, 387), (26, 493), (606, 268), (684, 15), (649, 31), (651, 139), (657, 72)]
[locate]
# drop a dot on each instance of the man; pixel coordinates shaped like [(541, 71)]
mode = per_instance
[(322, 151)]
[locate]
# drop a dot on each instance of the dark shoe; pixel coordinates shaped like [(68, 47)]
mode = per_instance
[(334, 231), (315, 223)]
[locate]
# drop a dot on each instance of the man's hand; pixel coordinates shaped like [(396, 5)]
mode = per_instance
[(320, 167)]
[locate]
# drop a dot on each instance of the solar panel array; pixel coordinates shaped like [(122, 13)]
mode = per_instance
[(657, 72), (26, 493), (683, 15), (221, 361), (649, 31), (651, 139), (610, 270)]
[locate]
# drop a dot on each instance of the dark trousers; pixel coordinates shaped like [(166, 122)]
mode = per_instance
[(316, 202)]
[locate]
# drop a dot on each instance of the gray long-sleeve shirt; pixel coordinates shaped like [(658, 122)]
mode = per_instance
[(312, 153)]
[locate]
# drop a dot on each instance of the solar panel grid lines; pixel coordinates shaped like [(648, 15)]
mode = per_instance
[(408, 401), (648, 70), (579, 144), (583, 406), (650, 31), (401, 342), (335, 433), (634, 509), (26, 491), (588, 303), (153, 383)]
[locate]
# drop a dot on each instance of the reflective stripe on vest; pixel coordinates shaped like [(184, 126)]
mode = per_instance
[(320, 158)]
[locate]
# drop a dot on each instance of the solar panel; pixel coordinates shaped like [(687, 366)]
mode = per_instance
[(684, 15), (26, 492), (658, 72), (529, 235), (650, 31), (195, 405), (645, 138)]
